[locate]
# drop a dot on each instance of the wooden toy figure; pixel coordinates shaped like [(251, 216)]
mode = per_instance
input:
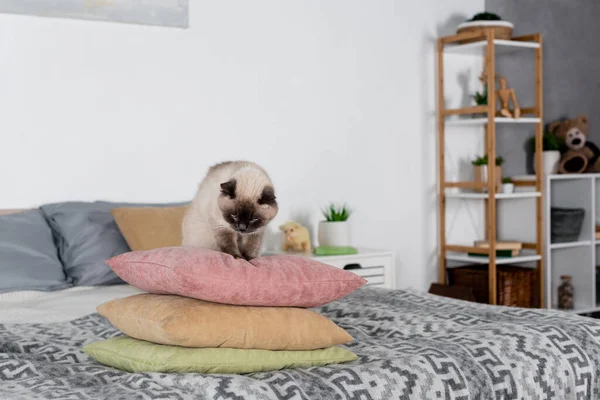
[(506, 95)]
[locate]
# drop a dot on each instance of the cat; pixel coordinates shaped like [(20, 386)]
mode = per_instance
[(233, 205)]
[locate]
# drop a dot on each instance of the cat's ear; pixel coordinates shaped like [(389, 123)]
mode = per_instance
[(228, 188), (267, 196)]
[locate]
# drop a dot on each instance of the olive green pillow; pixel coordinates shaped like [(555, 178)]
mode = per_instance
[(135, 355)]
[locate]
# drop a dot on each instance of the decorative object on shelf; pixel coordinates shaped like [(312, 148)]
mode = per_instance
[(335, 251), (480, 165), (507, 185), (565, 224), (483, 22), (297, 237), (481, 98), (515, 284), (551, 146), (335, 231), (581, 155), (597, 233), (565, 293), (506, 95)]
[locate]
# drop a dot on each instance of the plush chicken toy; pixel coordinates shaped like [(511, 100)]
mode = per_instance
[(297, 237)]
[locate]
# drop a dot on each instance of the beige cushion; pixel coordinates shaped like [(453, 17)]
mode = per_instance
[(183, 321), (148, 228)]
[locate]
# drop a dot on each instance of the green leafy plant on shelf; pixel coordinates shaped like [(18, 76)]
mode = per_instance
[(506, 180), (484, 161), (481, 99), (333, 213), (549, 142)]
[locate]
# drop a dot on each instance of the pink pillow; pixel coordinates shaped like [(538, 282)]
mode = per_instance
[(280, 280)]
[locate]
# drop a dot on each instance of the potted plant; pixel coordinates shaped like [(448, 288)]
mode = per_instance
[(483, 22), (334, 231), (480, 165), (507, 185), (481, 99), (551, 153)]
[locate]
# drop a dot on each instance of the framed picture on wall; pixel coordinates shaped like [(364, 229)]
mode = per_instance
[(173, 13)]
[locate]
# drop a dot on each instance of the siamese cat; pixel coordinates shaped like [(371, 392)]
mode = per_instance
[(233, 205)]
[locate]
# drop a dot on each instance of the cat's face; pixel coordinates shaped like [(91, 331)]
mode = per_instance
[(246, 214)]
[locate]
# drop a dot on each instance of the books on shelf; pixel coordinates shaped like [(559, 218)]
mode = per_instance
[(503, 249), (499, 253), (500, 245)]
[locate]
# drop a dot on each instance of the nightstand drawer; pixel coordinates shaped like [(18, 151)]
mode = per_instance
[(362, 262), (368, 272), (375, 280)]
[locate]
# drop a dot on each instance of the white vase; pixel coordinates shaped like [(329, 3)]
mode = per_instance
[(336, 234), (550, 162), (508, 187)]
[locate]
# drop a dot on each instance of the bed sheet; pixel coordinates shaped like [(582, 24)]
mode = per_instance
[(61, 305)]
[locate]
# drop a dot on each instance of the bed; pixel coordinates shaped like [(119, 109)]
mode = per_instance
[(410, 346)]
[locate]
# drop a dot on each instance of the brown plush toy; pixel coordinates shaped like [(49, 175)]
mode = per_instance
[(581, 155)]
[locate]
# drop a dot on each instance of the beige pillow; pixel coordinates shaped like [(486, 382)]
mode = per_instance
[(150, 228), (183, 321)]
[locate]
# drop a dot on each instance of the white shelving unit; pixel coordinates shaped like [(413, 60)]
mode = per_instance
[(577, 258)]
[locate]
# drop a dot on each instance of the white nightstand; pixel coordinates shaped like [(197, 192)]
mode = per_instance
[(376, 266)]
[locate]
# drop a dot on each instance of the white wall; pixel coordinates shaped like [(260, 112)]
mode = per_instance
[(335, 99)]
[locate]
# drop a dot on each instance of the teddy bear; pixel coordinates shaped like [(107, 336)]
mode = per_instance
[(581, 155), (296, 237)]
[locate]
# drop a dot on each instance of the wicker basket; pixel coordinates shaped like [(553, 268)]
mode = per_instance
[(565, 224), (516, 285), (502, 29)]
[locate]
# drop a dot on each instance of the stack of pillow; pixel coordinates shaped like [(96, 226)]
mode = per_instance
[(208, 312)]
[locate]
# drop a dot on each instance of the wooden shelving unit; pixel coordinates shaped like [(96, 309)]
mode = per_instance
[(489, 47)]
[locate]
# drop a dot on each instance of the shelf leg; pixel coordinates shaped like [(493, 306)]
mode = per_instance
[(441, 161), (538, 163), (492, 179)]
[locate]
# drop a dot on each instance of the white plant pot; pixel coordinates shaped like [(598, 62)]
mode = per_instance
[(335, 234), (550, 162), (508, 187)]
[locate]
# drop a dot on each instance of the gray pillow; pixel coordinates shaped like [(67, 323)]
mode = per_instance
[(28, 257), (87, 235)]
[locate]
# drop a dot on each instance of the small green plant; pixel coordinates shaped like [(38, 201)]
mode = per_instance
[(549, 142), (333, 213), (481, 99), (506, 180), (484, 161)]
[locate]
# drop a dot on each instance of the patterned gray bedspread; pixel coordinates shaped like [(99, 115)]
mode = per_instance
[(411, 346)]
